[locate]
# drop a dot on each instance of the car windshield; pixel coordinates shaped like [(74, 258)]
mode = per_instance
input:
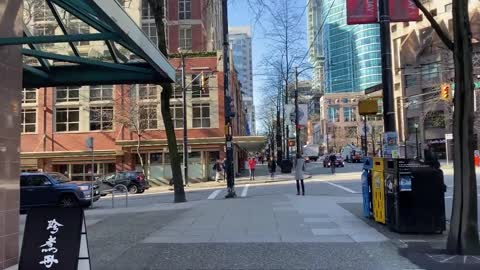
[(59, 177)]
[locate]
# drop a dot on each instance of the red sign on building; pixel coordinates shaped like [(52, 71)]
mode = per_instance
[(362, 11), (403, 11)]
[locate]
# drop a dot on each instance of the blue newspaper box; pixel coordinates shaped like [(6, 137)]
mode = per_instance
[(367, 187)]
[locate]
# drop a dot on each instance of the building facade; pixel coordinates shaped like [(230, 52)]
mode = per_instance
[(192, 26), (57, 121), (241, 44), (125, 121), (421, 64)]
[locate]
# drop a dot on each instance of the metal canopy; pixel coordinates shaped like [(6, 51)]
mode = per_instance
[(111, 49)]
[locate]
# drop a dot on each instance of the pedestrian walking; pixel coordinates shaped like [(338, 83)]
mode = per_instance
[(224, 165), (218, 168), (299, 168), (252, 163), (272, 167), (333, 162)]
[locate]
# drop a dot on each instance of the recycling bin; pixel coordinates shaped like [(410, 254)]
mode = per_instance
[(367, 187), (415, 201), (378, 190)]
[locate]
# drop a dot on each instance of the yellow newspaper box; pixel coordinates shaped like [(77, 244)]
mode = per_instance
[(378, 190)]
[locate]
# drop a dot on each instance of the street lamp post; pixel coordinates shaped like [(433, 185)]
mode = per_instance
[(185, 130), (416, 139), (227, 99)]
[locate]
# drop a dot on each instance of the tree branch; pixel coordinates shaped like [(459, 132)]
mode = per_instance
[(441, 34)]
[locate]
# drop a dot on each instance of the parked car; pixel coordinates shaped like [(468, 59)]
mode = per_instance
[(339, 162), (133, 180), (54, 189)]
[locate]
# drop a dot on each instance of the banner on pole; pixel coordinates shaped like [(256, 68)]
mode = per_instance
[(403, 11), (362, 11)]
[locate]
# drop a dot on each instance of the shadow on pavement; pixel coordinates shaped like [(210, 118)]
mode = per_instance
[(424, 250)]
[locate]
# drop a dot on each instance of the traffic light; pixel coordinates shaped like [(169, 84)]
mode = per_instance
[(445, 92), (204, 82)]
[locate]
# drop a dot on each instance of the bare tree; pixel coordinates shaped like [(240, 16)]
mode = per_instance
[(463, 236), (280, 22), (158, 7)]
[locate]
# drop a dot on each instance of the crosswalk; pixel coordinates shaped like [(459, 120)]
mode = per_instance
[(217, 192)]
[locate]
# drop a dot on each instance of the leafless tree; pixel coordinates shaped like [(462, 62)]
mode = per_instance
[(280, 21), (463, 236)]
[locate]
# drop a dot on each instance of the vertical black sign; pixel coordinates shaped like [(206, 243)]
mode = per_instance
[(52, 239)]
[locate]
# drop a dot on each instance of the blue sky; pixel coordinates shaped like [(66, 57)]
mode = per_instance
[(239, 14)]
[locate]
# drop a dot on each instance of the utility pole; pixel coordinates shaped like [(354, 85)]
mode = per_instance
[(297, 126), (185, 132), (279, 130), (228, 113), (365, 136), (287, 133), (387, 79)]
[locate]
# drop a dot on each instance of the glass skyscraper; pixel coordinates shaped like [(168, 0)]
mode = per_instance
[(350, 53)]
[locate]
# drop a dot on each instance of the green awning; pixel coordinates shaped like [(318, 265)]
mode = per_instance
[(87, 42)]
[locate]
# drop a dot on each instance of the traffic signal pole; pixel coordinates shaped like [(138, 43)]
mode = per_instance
[(228, 113), (387, 78)]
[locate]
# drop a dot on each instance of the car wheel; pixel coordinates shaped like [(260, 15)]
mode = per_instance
[(68, 201), (141, 191), (133, 189)]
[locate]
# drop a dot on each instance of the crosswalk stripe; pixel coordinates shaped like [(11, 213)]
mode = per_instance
[(245, 190), (342, 187), (214, 194)]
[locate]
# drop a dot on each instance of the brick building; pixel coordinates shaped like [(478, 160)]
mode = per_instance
[(57, 121)]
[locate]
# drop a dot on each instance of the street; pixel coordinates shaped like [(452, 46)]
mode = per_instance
[(266, 227)]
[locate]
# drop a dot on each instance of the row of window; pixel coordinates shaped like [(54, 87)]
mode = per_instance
[(185, 31), (105, 92), (102, 117)]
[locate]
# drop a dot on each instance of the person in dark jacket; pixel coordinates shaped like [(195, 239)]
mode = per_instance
[(272, 167), (431, 158)]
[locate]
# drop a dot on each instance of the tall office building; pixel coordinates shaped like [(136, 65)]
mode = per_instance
[(351, 52), (346, 60), (241, 44)]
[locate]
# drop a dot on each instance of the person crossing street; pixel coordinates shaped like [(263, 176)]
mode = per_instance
[(333, 162), (299, 168)]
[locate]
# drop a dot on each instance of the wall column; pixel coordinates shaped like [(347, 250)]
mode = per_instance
[(10, 108)]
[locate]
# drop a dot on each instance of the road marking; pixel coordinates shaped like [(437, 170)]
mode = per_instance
[(447, 259), (342, 187), (451, 197), (214, 194), (245, 190)]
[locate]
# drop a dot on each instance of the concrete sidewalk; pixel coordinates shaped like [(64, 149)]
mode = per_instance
[(261, 176)]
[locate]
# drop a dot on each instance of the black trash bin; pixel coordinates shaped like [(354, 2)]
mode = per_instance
[(286, 166), (415, 201)]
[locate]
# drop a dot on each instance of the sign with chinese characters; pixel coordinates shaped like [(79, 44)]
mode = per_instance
[(52, 239)]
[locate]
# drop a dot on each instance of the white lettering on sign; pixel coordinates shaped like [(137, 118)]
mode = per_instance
[(53, 225), (49, 246), (49, 260)]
